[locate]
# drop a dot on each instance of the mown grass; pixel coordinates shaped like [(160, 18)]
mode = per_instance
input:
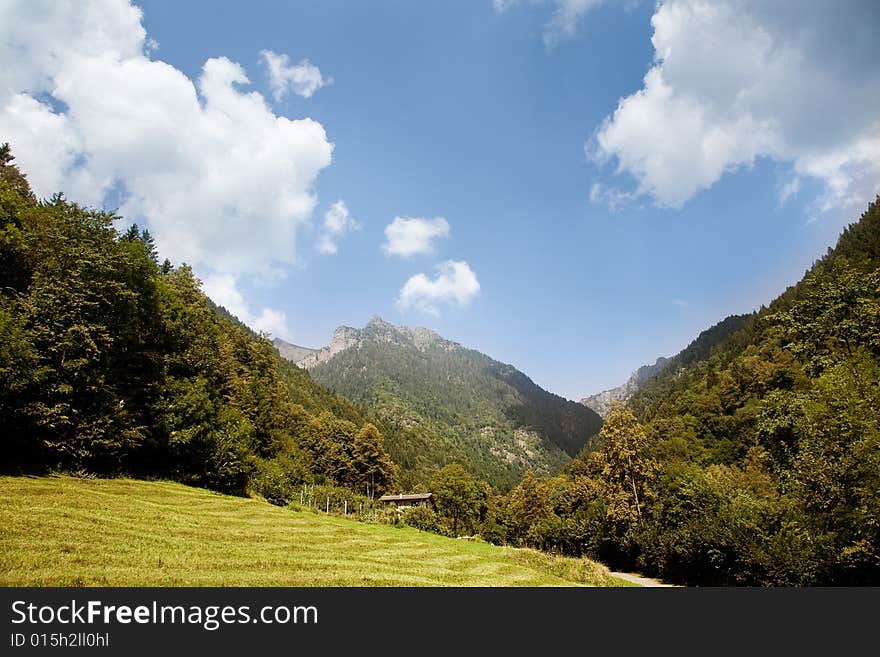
[(66, 531)]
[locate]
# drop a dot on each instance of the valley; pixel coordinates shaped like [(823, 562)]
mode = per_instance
[(751, 457), (442, 403)]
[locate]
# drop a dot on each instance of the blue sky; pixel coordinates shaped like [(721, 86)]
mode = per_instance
[(595, 218)]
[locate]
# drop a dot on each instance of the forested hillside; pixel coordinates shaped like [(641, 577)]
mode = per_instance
[(753, 458), (113, 363), (444, 403)]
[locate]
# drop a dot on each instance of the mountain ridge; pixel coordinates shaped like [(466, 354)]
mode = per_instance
[(601, 402), (476, 408), (290, 351)]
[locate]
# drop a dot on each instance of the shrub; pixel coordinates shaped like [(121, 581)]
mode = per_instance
[(423, 518), (276, 480)]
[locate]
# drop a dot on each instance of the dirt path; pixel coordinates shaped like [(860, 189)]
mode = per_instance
[(638, 579)]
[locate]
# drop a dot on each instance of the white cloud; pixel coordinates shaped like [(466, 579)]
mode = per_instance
[(565, 19), (737, 80), (40, 36), (409, 236), (788, 190), (43, 144), (223, 290), (303, 79), (222, 182), (337, 222), (612, 197), (455, 283), (563, 23), (273, 322)]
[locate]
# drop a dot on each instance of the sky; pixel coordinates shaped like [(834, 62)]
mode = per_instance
[(575, 187)]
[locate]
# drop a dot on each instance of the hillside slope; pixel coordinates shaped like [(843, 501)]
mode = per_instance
[(769, 424), (166, 534), (456, 403)]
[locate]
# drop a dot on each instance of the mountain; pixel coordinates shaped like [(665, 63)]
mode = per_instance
[(439, 402), (601, 402), (766, 430), (291, 352), (697, 351)]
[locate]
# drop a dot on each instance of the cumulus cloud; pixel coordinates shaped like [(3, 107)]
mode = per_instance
[(224, 290), (337, 222), (455, 283), (409, 236), (271, 321), (303, 79), (736, 80), (40, 36), (222, 182), (564, 21)]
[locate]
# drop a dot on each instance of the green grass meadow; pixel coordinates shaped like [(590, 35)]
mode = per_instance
[(66, 531)]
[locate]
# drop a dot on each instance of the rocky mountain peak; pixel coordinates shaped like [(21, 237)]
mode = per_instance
[(424, 338), (377, 329), (376, 321)]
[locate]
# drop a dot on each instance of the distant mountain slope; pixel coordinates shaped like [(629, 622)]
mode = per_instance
[(456, 403), (292, 352), (698, 350), (714, 337), (601, 402)]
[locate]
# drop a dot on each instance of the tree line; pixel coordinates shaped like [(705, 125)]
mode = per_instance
[(112, 362)]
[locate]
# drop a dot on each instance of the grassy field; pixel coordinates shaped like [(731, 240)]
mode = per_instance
[(63, 531)]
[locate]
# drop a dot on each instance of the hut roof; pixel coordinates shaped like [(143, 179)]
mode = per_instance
[(405, 498)]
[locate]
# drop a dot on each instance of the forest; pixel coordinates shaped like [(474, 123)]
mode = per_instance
[(114, 363)]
